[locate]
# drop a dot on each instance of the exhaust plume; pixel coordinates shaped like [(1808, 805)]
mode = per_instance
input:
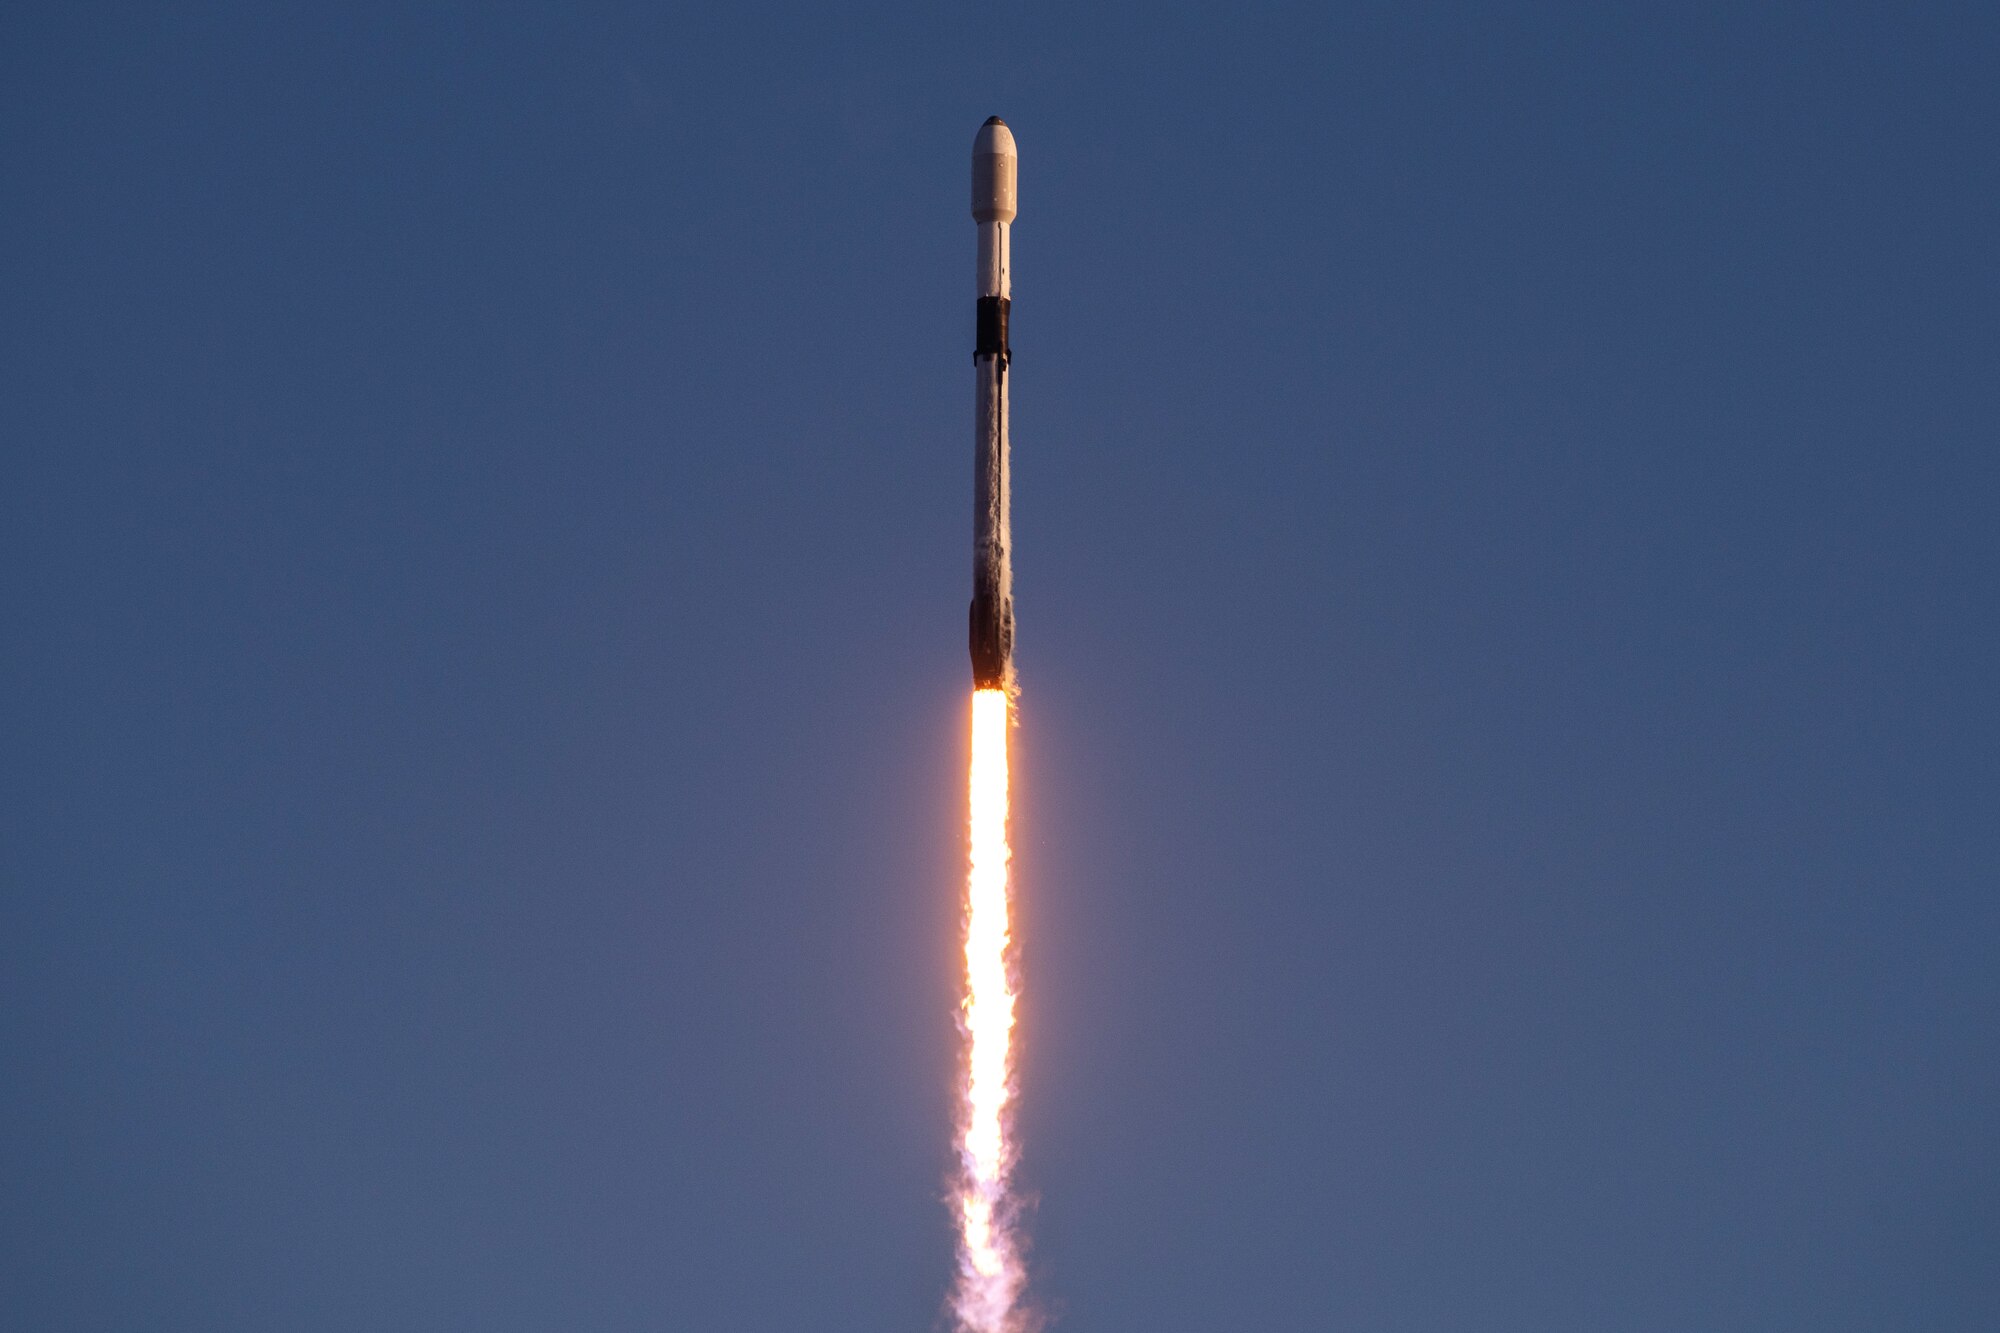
[(990, 1273)]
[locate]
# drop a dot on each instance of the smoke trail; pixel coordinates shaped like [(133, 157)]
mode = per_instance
[(990, 1274)]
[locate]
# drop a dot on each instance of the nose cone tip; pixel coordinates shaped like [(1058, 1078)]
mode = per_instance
[(995, 139)]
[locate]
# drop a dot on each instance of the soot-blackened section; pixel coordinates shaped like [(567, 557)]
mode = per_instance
[(992, 641), (991, 628)]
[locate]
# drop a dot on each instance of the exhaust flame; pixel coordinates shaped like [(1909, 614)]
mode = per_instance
[(990, 1274)]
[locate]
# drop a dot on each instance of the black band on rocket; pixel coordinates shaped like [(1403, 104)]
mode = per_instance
[(992, 334)]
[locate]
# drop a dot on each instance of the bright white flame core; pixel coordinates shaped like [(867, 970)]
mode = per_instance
[(989, 1268)]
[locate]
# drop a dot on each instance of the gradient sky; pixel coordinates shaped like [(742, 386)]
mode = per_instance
[(1508, 818)]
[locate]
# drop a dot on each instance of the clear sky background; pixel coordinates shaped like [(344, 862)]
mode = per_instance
[(1505, 516)]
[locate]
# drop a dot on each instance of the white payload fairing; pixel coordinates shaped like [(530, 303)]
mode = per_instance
[(992, 627)]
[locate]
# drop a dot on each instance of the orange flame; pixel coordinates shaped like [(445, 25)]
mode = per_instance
[(990, 1275)]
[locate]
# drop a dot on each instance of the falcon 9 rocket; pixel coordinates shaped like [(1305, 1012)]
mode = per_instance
[(992, 620)]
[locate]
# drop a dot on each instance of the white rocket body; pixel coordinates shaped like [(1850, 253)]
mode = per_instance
[(992, 615)]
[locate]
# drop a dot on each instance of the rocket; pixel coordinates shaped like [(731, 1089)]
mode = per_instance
[(992, 620)]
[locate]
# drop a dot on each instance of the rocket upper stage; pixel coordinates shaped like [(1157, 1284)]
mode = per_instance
[(994, 168), (992, 614)]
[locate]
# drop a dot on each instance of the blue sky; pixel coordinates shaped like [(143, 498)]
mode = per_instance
[(1504, 539)]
